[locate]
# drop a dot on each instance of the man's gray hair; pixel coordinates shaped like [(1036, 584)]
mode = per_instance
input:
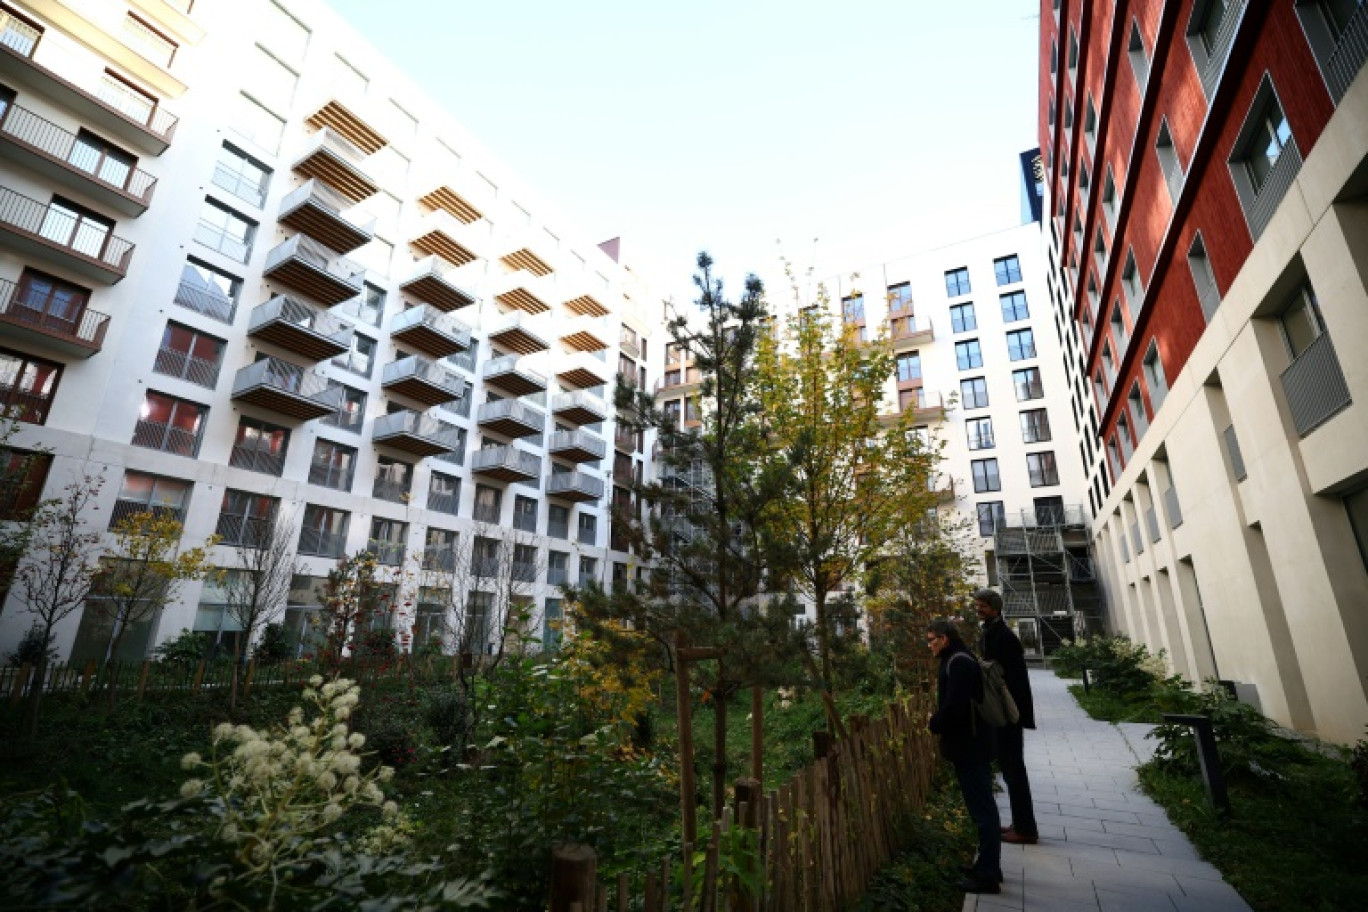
[(991, 598)]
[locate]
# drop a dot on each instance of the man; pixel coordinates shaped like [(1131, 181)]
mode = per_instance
[(967, 742), (999, 644)]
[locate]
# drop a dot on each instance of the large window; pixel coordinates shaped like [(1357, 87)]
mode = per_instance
[(260, 447), (245, 518), (241, 175), (1153, 368), (51, 303), (1020, 345), (962, 318), (143, 493), (968, 355), (73, 225), (957, 282), (208, 291), (332, 465), (1007, 269), (360, 359), (254, 123), (393, 479), (557, 521), (1041, 469), (1264, 159), (224, 230), (1027, 383), (980, 433), (986, 476), (387, 540), (444, 493), (1035, 426), (588, 529), (974, 393), (169, 424), (190, 355), (324, 533), (1301, 322), (909, 367), (991, 515), (524, 514), (105, 161), (900, 296), (488, 504), (1014, 307), (852, 309), (27, 385)]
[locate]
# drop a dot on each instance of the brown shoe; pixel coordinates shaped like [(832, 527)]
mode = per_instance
[(1016, 838)]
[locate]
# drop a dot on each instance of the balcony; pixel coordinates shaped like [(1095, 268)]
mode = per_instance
[(421, 380), (59, 236), (505, 463), (391, 486), (207, 301), (911, 334), (300, 328), (125, 509), (576, 446), (586, 306), (514, 333), (35, 318), (316, 210), (108, 105), (175, 15), (525, 260), (443, 235), (1314, 386), (61, 156), (431, 332), (106, 29), (286, 389), (268, 462), (449, 200), (335, 161), (313, 270), (579, 408), (349, 125), (586, 334), (576, 486), (510, 418), (431, 284), (509, 375), (414, 432), (18, 403), (517, 291), (582, 370)]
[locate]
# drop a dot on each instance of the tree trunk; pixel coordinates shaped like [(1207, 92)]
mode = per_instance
[(35, 702), (823, 638), (719, 744), (237, 669)]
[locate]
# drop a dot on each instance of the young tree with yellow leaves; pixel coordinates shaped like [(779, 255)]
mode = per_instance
[(856, 472)]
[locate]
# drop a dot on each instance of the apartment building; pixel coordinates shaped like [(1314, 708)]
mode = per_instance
[(980, 365), (248, 270), (1204, 168)]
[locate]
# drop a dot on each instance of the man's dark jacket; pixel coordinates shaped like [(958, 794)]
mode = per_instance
[(964, 737), (999, 644)]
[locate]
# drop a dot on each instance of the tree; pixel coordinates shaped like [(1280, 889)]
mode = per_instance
[(355, 600), (54, 578), (701, 528), (143, 571), (21, 478), (257, 590), (855, 475)]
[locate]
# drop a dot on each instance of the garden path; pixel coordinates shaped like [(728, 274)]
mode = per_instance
[(1104, 845)]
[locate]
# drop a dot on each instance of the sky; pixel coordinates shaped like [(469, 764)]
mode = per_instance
[(834, 134)]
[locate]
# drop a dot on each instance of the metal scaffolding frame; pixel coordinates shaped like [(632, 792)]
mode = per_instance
[(1045, 570)]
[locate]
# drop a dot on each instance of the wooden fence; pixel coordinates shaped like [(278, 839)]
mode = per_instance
[(821, 837)]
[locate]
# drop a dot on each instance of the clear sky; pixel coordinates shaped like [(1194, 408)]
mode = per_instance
[(745, 127)]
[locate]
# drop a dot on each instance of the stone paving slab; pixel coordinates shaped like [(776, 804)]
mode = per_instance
[(1104, 846)]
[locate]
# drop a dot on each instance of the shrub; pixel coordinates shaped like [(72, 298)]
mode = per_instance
[(1246, 741), (1358, 762), (185, 648), (376, 644), (275, 646), (447, 717), (392, 742), (30, 649)]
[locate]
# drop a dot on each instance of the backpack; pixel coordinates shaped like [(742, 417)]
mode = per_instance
[(997, 706)]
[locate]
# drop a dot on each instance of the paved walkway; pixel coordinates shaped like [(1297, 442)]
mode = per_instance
[(1103, 844)]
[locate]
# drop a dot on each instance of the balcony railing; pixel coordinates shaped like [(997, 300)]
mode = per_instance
[(579, 446), (574, 486), (329, 473), (421, 379), (336, 161), (556, 529), (415, 432), (506, 463), (314, 270), (92, 245), (1274, 188), (432, 332), (1314, 386), (301, 328), (486, 512), (507, 374), (557, 576), (432, 283), (207, 302), (175, 363), (510, 418), (487, 567), (286, 388), (391, 487), (248, 532), (256, 460), (588, 535), (155, 435), (518, 332), (316, 210), (449, 504), (123, 509), (1175, 512), (1351, 50), (148, 43), (579, 407), (82, 333), (25, 405), (525, 521), (136, 107), (132, 187), (321, 543), (216, 237), (524, 572)]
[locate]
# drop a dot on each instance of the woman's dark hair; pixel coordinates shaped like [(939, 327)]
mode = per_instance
[(942, 627)]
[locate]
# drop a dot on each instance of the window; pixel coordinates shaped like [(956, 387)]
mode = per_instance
[(557, 521), (444, 493), (332, 465), (1330, 26), (25, 474), (27, 385), (588, 529), (360, 359), (488, 504), (1014, 307), (169, 424), (484, 557), (1139, 58), (909, 367), (962, 318), (1123, 434), (271, 80), (257, 125), (1027, 383), (324, 533), (1109, 201), (1073, 53), (551, 625), (224, 230), (83, 230), (557, 568), (986, 475), (104, 161), (1136, 404), (190, 355), (260, 447), (393, 480), (1020, 345), (1130, 281), (388, 538), (245, 518), (1265, 142), (1204, 30), (1090, 124), (1100, 250), (524, 514), (143, 493), (1153, 369), (1301, 322), (208, 291), (1041, 469), (991, 515), (368, 306), (50, 303), (1035, 426), (241, 175), (957, 282), (588, 569), (524, 563), (980, 432), (1168, 161), (1108, 364), (1007, 269), (287, 35), (852, 309), (968, 355), (147, 41), (351, 409), (439, 550), (900, 296), (1202, 276), (974, 393)]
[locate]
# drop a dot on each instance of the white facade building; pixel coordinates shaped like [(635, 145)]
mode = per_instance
[(245, 264)]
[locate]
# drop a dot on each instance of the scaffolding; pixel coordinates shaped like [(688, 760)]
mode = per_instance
[(1045, 570)]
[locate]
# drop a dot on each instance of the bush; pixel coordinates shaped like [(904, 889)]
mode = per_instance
[(392, 742), (275, 646), (185, 648), (376, 644), (446, 715), (1358, 762), (30, 650), (1247, 742)]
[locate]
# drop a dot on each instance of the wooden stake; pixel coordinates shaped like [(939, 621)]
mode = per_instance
[(573, 868), (757, 770), (687, 807)]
